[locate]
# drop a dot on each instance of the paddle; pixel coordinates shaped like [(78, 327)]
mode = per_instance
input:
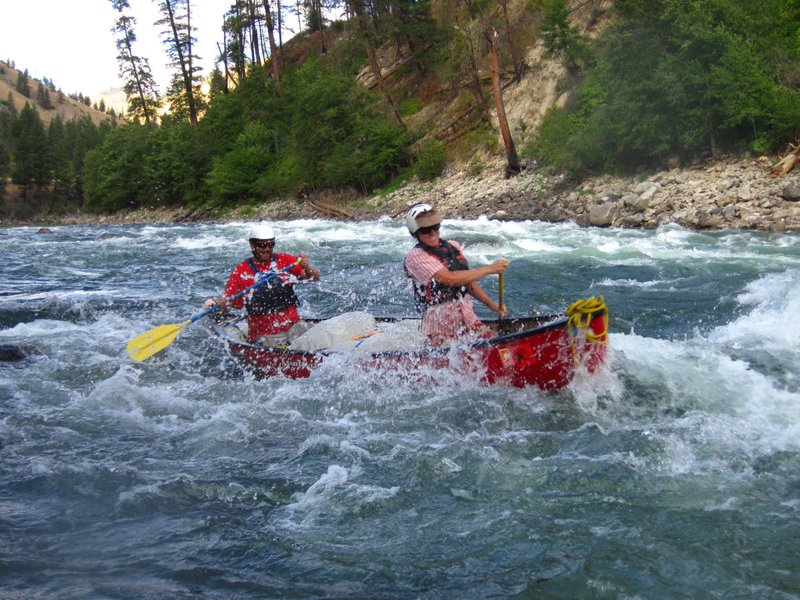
[(500, 292), (150, 342)]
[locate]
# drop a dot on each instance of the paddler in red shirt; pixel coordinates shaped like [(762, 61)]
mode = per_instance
[(272, 317)]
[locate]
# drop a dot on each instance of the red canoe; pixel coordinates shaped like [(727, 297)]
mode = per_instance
[(543, 351)]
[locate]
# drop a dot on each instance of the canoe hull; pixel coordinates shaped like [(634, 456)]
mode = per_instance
[(547, 358), (545, 352)]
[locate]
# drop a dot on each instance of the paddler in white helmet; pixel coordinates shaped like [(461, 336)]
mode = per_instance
[(272, 317), (444, 285)]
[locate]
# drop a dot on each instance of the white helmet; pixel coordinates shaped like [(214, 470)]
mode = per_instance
[(421, 215), (260, 231)]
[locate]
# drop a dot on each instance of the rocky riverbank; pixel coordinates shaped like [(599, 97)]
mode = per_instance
[(724, 194), (731, 194)]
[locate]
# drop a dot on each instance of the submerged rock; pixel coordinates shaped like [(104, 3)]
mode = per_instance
[(16, 352)]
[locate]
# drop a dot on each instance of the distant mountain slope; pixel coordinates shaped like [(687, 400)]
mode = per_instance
[(67, 109)]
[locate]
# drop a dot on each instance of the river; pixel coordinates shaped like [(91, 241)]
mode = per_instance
[(673, 473)]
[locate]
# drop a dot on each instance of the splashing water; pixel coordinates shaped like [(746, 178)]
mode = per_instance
[(671, 473)]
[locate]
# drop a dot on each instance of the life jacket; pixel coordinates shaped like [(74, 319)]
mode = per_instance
[(435, 292), (271, 297)]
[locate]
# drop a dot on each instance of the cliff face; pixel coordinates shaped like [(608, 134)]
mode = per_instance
[(546, 81)]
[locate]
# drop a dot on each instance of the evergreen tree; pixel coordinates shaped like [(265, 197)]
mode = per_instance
[(59, 165), (366, 31), (234, 54), (43, 97), (10, 104), (23, 84), (8, 119), (235, 176), (5, 168), (139, 85), (178, 35), (673, 78), (176, 165), (216, 86), (560, 37), (115, 176), (275, 52), (30, 150), (80, 136)]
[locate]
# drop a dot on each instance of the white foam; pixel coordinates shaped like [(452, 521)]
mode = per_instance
[(58, 295), (203, 241), (773, 321), (735, 408), (41, 328)]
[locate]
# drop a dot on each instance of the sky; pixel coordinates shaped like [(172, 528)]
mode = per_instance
[(70, 42)]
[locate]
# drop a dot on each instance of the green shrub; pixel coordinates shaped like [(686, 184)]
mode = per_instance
[(234, 175), (395, 184), (475, 166), (410, 106), (430, 160)]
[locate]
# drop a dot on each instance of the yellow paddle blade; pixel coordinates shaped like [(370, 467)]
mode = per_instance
[(145, 345)]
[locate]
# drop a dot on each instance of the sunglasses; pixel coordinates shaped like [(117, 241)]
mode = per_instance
[(263, 244), (427, 230)]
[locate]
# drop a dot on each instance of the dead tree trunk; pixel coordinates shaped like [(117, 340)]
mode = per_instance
[(513, 167), (516, 61)]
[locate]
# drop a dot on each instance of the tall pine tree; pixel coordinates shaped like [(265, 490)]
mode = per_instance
[(140, 86), (30, 150), (183, 95)]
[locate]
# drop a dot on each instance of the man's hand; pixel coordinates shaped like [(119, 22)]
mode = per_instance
[(309, 272), (222, 302)]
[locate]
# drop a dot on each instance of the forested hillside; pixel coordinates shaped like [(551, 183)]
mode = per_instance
[(402, 89), (44, 135)]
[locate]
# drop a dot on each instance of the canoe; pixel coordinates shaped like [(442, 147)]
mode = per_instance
[(545, 351)]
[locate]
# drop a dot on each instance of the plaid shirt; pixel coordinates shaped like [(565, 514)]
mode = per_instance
[(448, 320)]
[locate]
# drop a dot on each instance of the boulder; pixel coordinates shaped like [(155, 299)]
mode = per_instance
[(791, 192), (603, 215)]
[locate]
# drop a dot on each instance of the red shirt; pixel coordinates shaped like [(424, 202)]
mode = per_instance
[(243, 277)]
